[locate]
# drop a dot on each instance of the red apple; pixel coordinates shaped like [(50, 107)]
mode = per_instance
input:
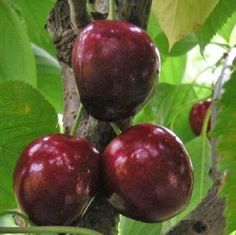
[(55, 177), (115, 65), (147, 173), (197, 115)]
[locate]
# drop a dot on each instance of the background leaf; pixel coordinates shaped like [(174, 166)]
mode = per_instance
[(225, 131), (24, 115), (128, 226), (16, 60), (176, 18), (49, 80), (35, 14), (223, 10), (172, 69)]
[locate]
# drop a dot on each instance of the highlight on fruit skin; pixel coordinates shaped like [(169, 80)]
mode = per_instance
[(197, 115), (55, 178), (147, 173), (115, 65)]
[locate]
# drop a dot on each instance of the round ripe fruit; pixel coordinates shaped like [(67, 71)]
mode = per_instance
[(197, 115), (55, 178), (115, 64), (147, 173)]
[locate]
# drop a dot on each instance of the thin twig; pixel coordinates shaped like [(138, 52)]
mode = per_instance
[(225, 73)]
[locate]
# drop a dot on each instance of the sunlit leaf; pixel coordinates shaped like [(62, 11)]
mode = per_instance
[(161, 41), (178, 18)]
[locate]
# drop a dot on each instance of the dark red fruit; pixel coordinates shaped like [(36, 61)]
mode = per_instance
[(115, 65), (55, 178), (147, 173), (197, 115)]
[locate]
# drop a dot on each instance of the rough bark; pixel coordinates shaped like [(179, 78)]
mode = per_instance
[(206, 219), (78, 15), (134, 11), (65, 21)]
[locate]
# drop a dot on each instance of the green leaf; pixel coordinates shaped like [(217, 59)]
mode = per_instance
[(24, 116), (223, 10), (161, 41), (153, 28), (173, 69), (128, 226), (170, 106), (225, 131), (228, 27), (16, 60), (35, 14), (49, 80), (178, 18), (179, 48)]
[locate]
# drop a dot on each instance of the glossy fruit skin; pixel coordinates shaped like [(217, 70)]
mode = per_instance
[(55, 177), (197, 115), (147, 173), (115, 64)]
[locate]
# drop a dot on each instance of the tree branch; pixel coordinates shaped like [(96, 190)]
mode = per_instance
[(135, 11)]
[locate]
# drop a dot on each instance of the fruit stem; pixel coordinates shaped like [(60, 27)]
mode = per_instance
[(49, 229), (206, 121), (77, 120), (111, 15), (16, 213), (115, 128)]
